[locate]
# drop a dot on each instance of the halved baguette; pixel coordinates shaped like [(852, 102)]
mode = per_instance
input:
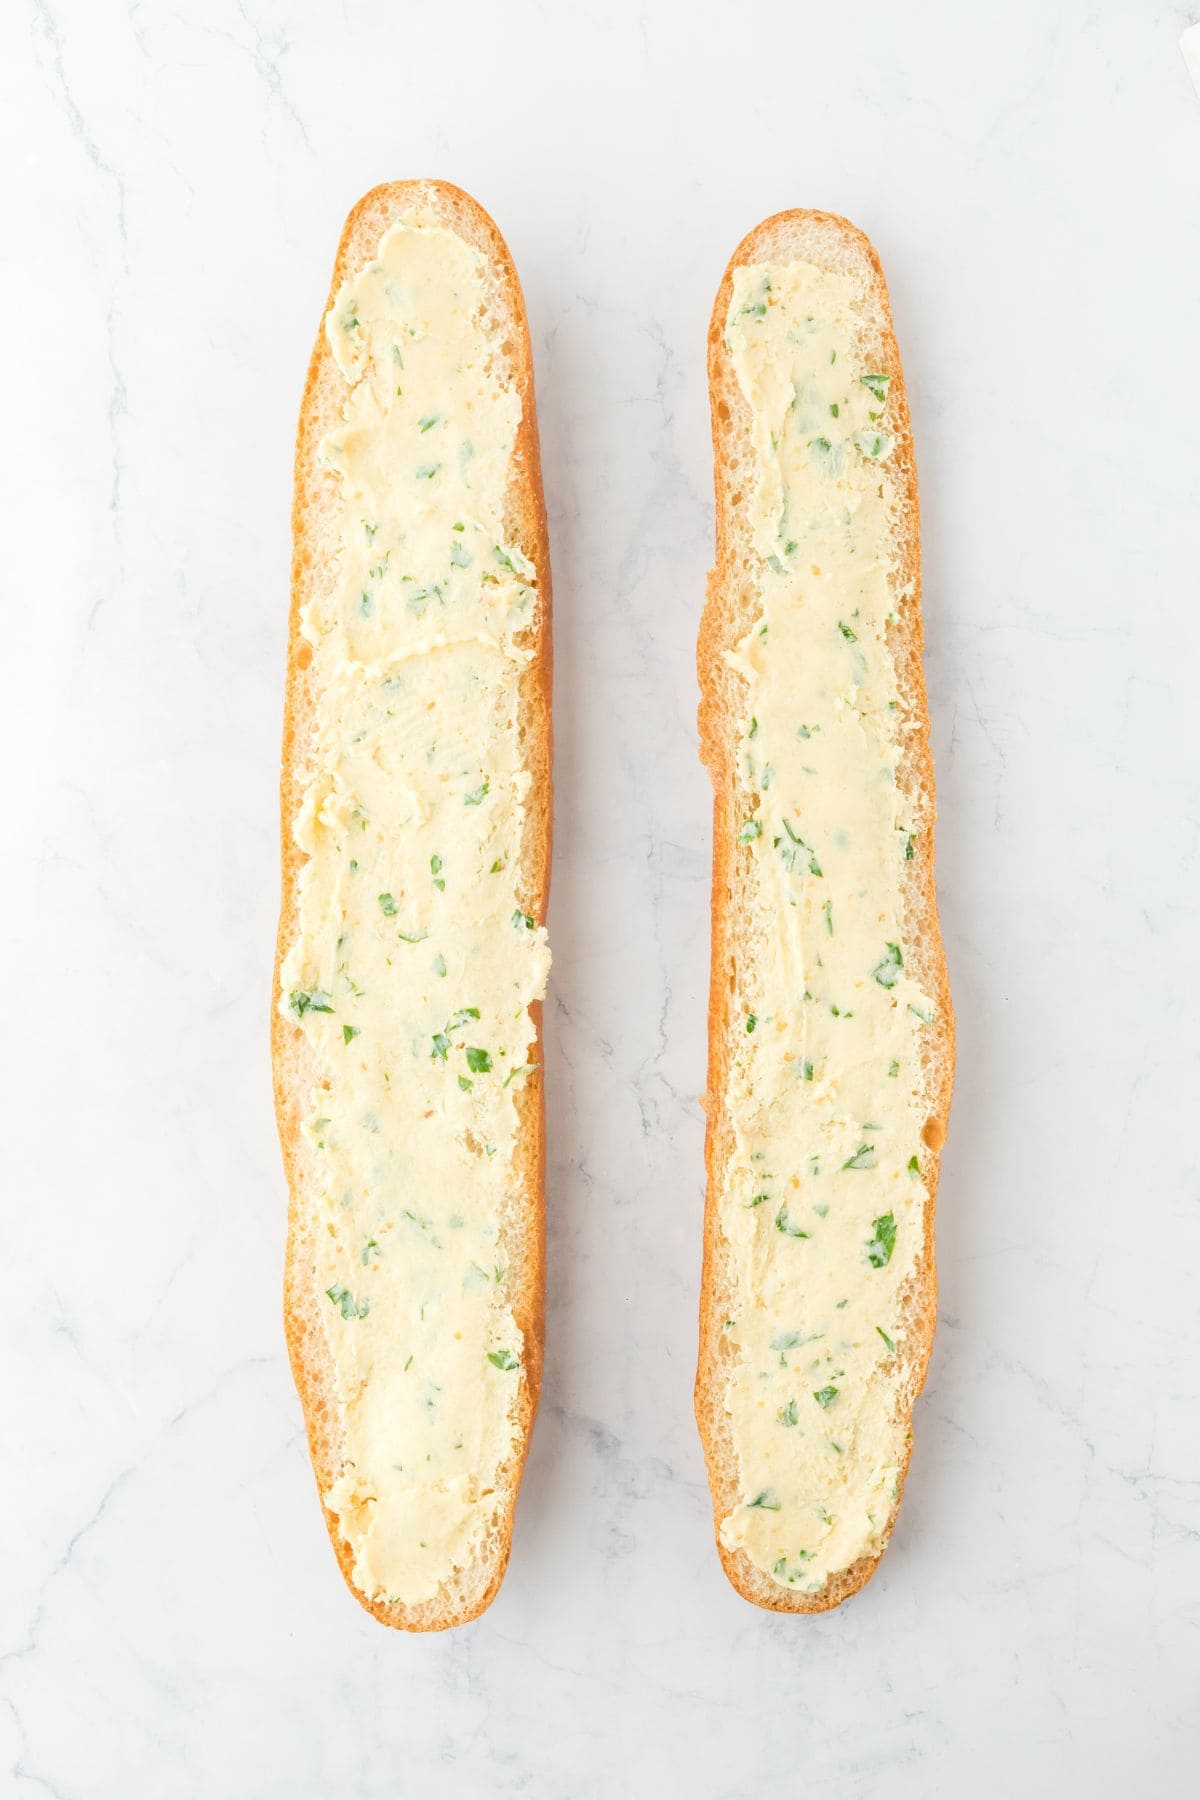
[(735, 584), (521, 1226)]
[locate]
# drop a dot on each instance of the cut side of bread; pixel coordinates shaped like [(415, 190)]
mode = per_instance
[(326, 1320), (782, 1384)]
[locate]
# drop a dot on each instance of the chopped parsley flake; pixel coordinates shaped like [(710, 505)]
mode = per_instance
[(344, 1300), (783, 1223), (879, 1250), (888, 972), (317, 1001)]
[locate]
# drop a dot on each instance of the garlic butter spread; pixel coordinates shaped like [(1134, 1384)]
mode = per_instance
[(414, 963), (823, 1196)]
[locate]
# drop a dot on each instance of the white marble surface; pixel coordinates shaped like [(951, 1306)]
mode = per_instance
[(174, 181)]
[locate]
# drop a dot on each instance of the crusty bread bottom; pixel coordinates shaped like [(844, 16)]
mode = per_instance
[(315, 540), (830, 243)]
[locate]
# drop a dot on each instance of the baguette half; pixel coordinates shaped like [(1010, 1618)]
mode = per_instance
[(314, 1314), (835, 1403)]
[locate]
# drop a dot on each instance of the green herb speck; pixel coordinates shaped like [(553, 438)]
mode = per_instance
[(879, 1250), (783, 1223), (888, 971), (347, 1305), (300, 1003)]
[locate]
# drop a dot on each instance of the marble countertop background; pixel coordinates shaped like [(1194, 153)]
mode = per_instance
[(175, 177)]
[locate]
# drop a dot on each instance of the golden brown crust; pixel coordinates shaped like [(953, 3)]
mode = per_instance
[(314, 544), (827, 240)]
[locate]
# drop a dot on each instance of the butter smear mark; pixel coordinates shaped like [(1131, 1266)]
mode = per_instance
[(415, 964), (823, 1198)]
